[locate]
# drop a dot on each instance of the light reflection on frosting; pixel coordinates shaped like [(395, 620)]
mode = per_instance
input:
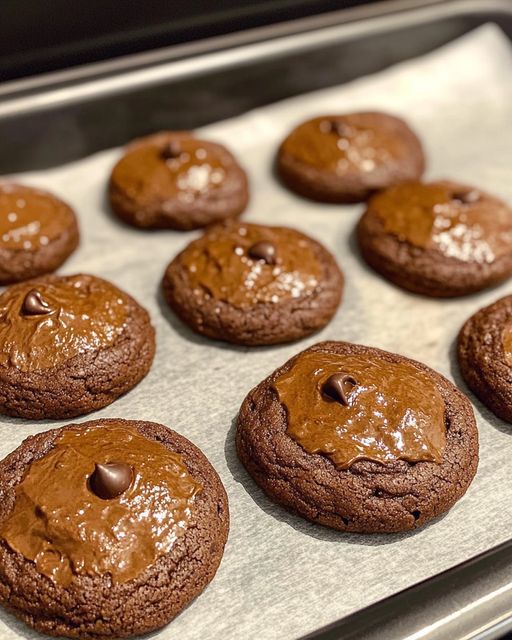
[(194, 172), (62, 526), (431, 216), (360, 148), (31, 218), (394, 412), (199, 177), (87, 314), (353, 142), (193, 169), (219, 265)]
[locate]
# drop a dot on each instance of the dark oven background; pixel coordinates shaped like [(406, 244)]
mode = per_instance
[(45, 35)]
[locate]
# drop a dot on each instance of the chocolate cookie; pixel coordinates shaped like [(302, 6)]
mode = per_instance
[(108, 529), (359, 439), (173, 180), (440, 239), (485, 356), (37, 232), (254, 285), (345, 158), (69, 345)]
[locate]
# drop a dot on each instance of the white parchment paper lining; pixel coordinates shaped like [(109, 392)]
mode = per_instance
[(282, 577)]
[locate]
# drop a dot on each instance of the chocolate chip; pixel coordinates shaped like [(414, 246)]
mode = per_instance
[(265, 251), (110, 480), (171, 151), (338, 386), (466, 197), (34, 304), (335, 126), (339, 128)]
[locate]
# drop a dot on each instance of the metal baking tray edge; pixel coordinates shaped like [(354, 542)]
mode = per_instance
[(472, 601), (173, 63)]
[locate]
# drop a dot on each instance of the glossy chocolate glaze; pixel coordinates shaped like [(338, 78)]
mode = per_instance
[(85, 314), (393, 411), (184, 169), (30, 218), (457, 221), (220, 265), (60, 524), (355, 142)]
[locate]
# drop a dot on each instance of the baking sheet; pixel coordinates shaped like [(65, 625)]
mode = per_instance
[(281, 576)]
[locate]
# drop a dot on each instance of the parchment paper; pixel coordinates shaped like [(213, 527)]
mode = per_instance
[(282, 577)]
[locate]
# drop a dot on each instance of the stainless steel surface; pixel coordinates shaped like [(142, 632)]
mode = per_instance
[(470, 602), (64, 116), (175, 63)]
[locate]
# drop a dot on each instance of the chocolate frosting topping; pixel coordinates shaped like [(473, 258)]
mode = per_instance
[(459, 222), (30, 218), (184, 168), (223, 265), (349, 143), (43, 323), (66, 530), (393, 412)]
